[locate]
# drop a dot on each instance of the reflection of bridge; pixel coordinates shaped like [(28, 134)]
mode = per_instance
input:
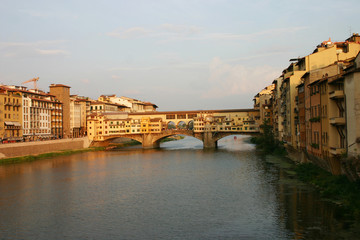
[(150, 128)]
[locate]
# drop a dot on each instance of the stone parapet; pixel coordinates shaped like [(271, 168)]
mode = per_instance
[(39, 147)]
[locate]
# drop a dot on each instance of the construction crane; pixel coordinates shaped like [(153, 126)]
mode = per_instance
[(34, 80)]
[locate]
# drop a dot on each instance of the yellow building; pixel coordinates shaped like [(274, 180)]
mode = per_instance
[(241, 122), (151, 125), (325, 54), (11, 115), (101, 126)]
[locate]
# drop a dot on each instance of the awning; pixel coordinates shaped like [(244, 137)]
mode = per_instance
[(16, 124)]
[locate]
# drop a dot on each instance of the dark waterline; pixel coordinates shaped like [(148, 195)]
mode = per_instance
[(177, 192)]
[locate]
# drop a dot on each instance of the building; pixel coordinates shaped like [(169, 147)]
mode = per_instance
[(11, 115), (129, 104), (263, 102), (107, 124), (277, 116), (300, 118), (62, 93), (352, 99), (75, 117), (104, 107), (291, 78), (38, 114)]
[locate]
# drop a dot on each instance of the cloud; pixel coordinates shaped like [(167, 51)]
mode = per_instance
[(171, 32), (181, 29), (174, 65), (48, 14), (52, 52), (234, 79), (131, 92), (31, 49), (116, 77), (131, 33)]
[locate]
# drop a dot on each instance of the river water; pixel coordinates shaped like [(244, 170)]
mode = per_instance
[(177, 192)]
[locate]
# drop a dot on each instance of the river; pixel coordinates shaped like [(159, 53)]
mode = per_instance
[(177, 192)]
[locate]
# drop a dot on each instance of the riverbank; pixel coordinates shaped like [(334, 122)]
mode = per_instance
[(45, 151), (337, 189), (13, 150), (31, 158)]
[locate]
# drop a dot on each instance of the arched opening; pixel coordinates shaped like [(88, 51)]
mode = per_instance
[(124, 141), (181, 141), (181, 125), (191, 125), (171, 125), (236, 142)]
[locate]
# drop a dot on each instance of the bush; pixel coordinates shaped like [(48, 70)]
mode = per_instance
[(266, 141), (337, 188)]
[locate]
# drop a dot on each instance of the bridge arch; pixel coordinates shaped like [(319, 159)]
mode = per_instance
[(190, 125), (169, 133), (181, 125), (170, 125)]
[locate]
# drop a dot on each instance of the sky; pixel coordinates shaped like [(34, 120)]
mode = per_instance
[(180, 55)]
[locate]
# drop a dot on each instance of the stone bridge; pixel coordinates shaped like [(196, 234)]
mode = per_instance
[(152, 140)]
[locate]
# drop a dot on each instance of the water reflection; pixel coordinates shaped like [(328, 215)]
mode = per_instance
[(177, 192)]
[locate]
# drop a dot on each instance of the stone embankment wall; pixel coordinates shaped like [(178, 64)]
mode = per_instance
[(350, 166), (10, 150)]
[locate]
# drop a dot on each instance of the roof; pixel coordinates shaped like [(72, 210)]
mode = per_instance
[(43, 100), (107, 103), (150, 104), (195, 111), (58, 85)]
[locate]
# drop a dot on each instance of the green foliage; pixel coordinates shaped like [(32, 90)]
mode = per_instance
[(315, 119), (314, 145), (266, 142), (337, 188)]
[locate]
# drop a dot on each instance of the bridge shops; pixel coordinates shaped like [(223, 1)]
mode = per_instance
[(104, 127)]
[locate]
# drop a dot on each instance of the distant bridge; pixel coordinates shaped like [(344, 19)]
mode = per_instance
[(149, 128)]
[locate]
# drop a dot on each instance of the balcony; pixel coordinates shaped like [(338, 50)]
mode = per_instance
[(337, 121), (337, 94), (337, 151)]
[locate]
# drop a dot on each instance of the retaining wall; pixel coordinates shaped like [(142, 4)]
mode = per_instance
[(9, 150)]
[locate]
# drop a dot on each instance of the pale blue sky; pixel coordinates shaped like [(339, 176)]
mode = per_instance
[(180, 55)]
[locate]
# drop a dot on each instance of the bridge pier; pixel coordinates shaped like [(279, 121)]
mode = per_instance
[(148, 141), (209, 141)]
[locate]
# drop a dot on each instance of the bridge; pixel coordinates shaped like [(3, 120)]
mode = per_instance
[(149, 128)]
